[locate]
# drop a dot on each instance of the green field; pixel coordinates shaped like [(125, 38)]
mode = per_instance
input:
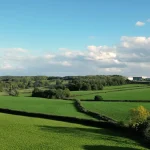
[(116, 110), (112, 88), (126, 94), (18, 132), (125, 86), (41, 105), (24, 133)]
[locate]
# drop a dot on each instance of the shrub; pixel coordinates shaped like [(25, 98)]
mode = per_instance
[(138, 118), (1, 88), (147, 133), (121, 123), (13, 92), (98, 98)]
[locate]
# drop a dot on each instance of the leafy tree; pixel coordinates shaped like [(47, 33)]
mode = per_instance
[(60, 86), (86, 86), (13, 92), (21, 85), (59, 94), (100, 87), (30, 84), (58, 82), (1, 88), (94, 86), (67, 92), (138, 117)]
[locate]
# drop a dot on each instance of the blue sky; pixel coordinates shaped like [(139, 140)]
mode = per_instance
[(45, 26)]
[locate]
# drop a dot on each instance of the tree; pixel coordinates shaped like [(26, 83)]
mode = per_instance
[(100, 87), (94, 87), (1, 88), (86, 87), (58, 82), (67, 92), (13, 92), (36, 90), (138, 117)]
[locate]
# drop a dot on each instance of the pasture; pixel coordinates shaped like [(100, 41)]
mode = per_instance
[(41, 105), (22, 133), (116, 110), (130, 92), (112, 88), (18, 132)]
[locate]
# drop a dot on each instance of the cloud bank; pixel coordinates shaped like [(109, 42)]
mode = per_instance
[(131, 57)]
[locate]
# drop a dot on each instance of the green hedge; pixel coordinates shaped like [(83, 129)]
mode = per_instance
[(80, 108)]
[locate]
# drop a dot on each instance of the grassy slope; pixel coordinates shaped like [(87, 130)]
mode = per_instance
[(110, 88), (137, 94), (119, 111), (23, 133), (49, 106)]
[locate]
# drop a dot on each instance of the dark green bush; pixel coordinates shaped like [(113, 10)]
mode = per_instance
[(147, 133), (121, 123), (52, 93), (1, 88), (98, 98)]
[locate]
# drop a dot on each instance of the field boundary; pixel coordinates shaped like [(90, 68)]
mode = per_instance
[(123, 101), (98, 116), (86, 122)]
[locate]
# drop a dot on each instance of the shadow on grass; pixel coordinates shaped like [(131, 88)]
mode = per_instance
[(104, 147), (96, 133)]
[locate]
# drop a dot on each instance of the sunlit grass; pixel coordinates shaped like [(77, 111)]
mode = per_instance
[(23, 133)]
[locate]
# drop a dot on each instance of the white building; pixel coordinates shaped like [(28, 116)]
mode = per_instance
[(138, 78), (130, 78)]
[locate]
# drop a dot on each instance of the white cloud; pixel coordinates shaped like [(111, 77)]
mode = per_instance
[(135, 42), (130, 57), (139, 23), (66, 63), (49, 56), (113, 70), (60, 63)]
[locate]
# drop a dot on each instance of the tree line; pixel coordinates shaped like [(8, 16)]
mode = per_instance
[(73, 83), (95, 82), (52, 93)]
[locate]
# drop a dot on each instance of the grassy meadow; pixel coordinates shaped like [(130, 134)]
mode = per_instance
[(126, 92), (116, 110), (22, 133), (41, 105)]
